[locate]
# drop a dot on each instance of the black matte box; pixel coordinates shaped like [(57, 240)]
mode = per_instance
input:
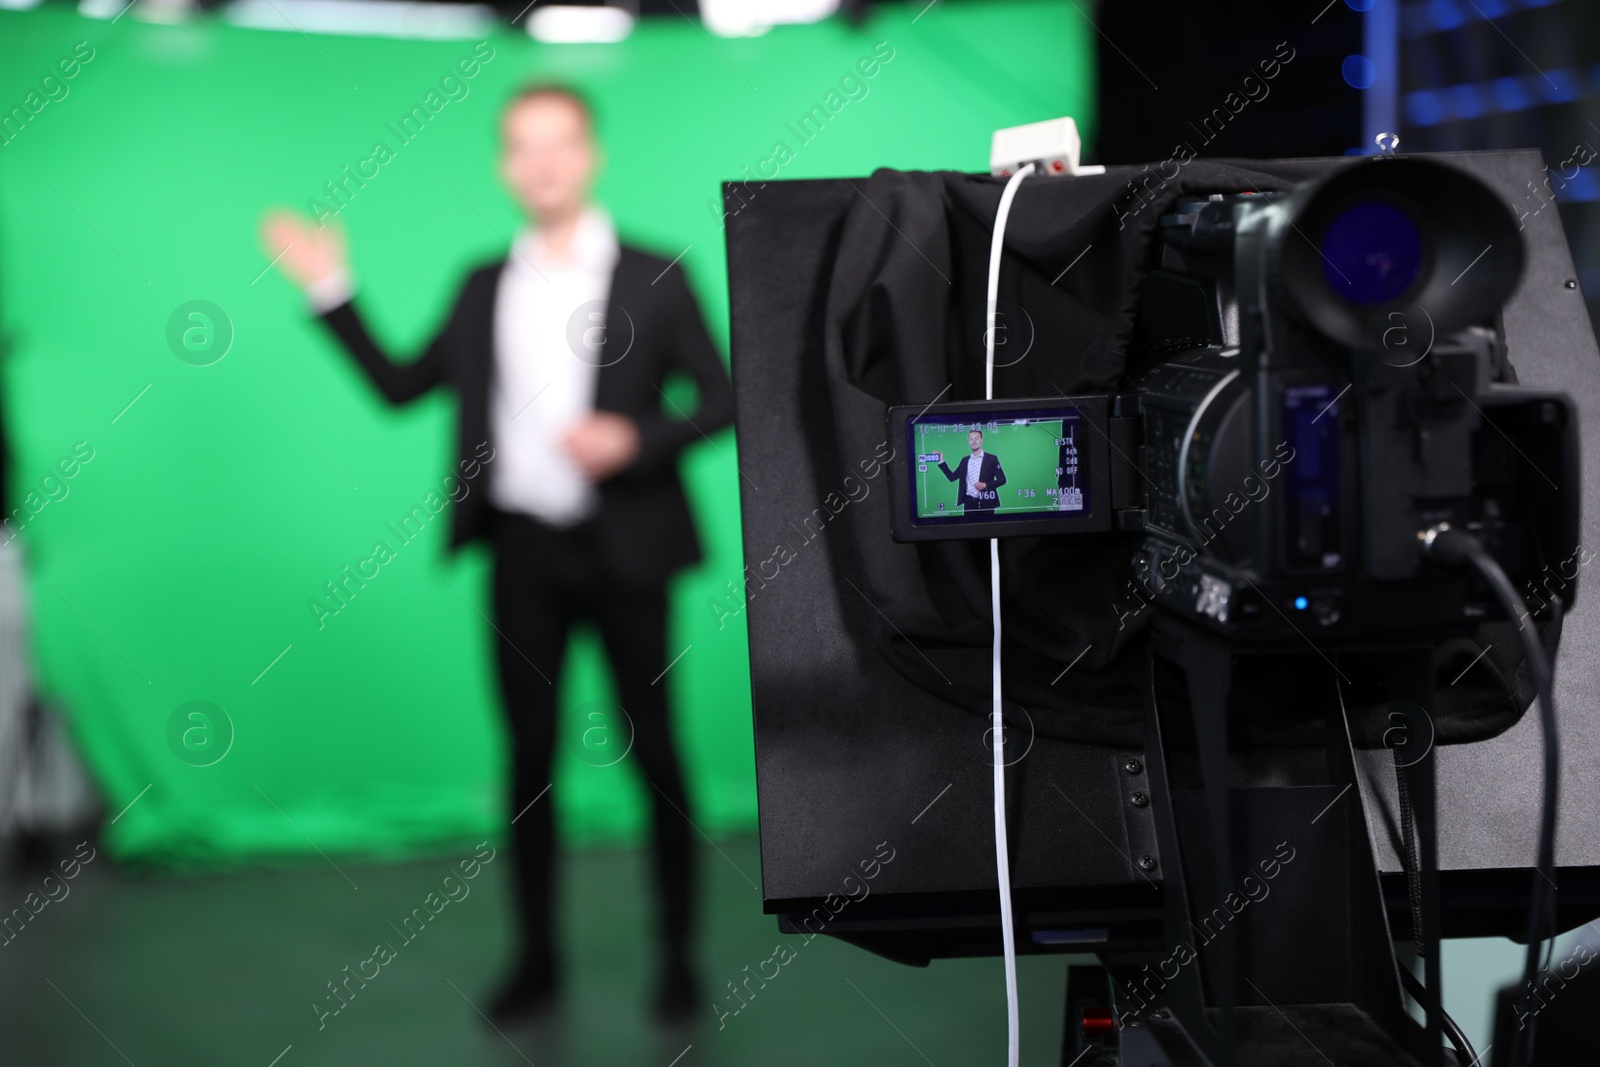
[(851, 756)]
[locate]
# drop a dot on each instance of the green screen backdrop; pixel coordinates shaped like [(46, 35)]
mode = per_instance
[(180, 515)]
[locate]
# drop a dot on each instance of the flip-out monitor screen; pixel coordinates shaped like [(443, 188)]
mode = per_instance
[(999, 466)]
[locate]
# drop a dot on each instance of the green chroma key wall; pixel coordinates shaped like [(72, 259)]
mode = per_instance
[(208, 504)]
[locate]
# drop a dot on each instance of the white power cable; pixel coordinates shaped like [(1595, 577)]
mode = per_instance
[(997, 726)]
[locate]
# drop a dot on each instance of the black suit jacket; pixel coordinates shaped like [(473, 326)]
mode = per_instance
[(644, 529), (989, 473)]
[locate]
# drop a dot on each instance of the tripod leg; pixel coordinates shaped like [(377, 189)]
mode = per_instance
[(1409, 675), (1183, 991), (1209, 668), (1420, 781), (1377, 970)]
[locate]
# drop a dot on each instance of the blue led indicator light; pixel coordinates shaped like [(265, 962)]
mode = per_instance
[(1301, 603)]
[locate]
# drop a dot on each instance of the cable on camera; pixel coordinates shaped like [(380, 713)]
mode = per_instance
[(1466, 1055), (1008, 933), (1448, 545)]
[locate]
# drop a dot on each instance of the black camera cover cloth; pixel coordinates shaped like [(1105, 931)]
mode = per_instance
[(903, 324)]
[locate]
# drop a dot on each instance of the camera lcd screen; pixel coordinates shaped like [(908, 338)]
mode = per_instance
[(998, 466)]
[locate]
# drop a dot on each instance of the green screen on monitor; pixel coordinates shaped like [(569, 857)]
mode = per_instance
[(1024, 464)]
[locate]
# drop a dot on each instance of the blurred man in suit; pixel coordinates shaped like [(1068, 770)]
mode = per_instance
[(978, 477), (558, 355)]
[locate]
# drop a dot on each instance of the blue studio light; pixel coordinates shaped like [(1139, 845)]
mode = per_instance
[(1510, 94), (1358, 72), (1301, 603), (1445, 14), (1581, 188), (1557, 87), (1424, 107), (1465, 101)]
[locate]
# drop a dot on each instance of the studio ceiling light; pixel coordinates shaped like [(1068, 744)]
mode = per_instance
[(571, 24)]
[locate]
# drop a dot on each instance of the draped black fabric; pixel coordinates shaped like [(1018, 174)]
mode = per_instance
[(904, 324)]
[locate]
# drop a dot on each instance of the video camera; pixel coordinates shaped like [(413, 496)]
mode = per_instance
[(1292, 418), (1319, 384)]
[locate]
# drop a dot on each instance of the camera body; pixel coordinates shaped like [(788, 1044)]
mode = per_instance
[(1321, 380)]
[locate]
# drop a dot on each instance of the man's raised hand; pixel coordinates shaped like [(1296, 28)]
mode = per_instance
[(307, 254)]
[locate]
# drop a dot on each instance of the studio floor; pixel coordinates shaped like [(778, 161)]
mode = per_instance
[(143, 969)]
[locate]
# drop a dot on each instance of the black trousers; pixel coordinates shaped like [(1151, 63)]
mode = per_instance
[(544, 581)]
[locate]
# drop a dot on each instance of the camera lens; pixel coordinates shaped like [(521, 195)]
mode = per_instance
[(1371, 252), (1384, 236)]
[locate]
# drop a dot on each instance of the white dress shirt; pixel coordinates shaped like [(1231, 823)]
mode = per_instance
[(548, 348), (549, 337), (974, 469)]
